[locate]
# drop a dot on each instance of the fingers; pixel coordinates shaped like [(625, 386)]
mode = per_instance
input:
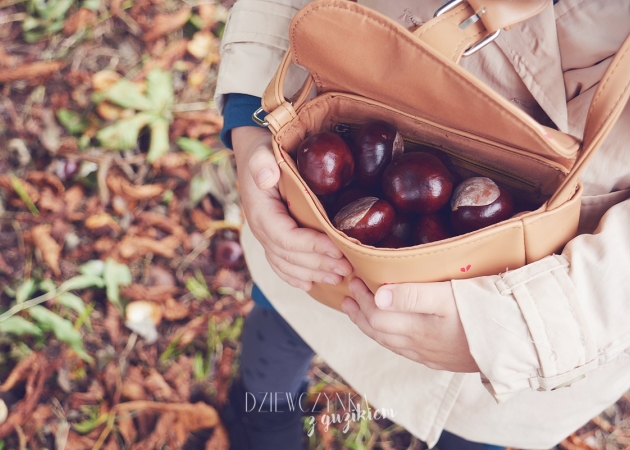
[(391, 341), (302, 273), (424, 298), (295, 282), (263, 167)]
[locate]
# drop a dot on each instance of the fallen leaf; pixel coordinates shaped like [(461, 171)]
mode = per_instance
[(112, 323), (207, 13), (100, 221), (174, 310), (50, 202), (45, 178), (179, 375), (173, 52), (78, 21), (127, 429), (121, 186), (159, 388), (73, 198), (133, 385), (51, 251), (31, 70), (158, 294), (132, 247), (105, 79), (165, 23)]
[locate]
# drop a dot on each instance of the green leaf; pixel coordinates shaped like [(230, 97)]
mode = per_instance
[(127, 94), (72, 121), (18, 325), (18, 187), (195, 147), (123, 135), (90, 424), (74, 302), (159, 139), (25, 290), (160, 90), (94, 268), (92, 5), (62, 328), (82, 282), (115, 275)]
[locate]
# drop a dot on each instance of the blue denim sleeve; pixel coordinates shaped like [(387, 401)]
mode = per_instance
[(238, 113)]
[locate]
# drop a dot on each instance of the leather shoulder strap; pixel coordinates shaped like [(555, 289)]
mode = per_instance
[(608, 102), (461, 25)]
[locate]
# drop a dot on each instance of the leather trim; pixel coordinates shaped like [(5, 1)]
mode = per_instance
[(503, 14)]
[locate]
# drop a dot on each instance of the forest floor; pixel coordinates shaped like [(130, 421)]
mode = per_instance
[(122, 284)]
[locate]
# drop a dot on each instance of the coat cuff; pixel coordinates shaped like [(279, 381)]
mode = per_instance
[(526, 328)]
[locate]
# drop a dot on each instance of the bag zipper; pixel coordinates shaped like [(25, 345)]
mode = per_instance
[(464, 162)]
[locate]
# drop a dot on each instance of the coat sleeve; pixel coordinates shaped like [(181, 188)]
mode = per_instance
[(546, 325), (253, 44)]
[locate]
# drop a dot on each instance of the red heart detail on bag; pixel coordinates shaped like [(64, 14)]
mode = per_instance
[(465, 269)]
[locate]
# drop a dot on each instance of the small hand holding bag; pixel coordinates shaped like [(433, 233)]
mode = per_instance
[(367, 67)]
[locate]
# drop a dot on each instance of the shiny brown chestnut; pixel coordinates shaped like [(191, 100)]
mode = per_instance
[(403, 227), (431, 228), (367, 219), (477, 203), (345, 197), (376, 145), (417, 183), (325, 163)]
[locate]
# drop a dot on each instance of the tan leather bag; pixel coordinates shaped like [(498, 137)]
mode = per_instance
[(367, 67)]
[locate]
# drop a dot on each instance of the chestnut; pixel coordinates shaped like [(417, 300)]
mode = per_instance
[(479, 202), (376, 145), (431, 228), (417, 183), (367, 219), (346, 196), (325, 162), (391, 241), (403, 227)]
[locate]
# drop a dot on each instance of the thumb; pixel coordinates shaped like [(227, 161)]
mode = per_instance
[(264, 168), (424, 298)]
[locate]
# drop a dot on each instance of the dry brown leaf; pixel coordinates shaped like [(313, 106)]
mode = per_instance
[(112, 444), (219, 439), (207, 12), (101, 220), (165, 23), (31, 70), (51, 251), (20, 372), (174, 310), (77, 442), (202, 221), (195, 416), (132, 247), (197, 130), (45, 178), (109, 111), (207, 116), (104, 79), (127, 429), (172, 53), (31, 191), (159, 388), (121, 186), (79, 20), (158, 294), (4, 267), (133, 385), (164, 223), (73, 198), (112, 323), (49, 201), (179, 375), (162, 427)]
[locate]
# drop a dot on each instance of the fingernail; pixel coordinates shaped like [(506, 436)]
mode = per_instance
[(383, 298), (263, 175), (329, 280), (339, 272)]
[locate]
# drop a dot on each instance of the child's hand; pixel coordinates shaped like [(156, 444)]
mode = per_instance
[(421, 323), (298, 255)]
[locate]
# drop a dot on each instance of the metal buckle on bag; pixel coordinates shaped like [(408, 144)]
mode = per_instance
[(466, 23), (258, 120)]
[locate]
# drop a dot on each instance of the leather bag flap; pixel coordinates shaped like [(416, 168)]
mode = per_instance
[(353, 49)]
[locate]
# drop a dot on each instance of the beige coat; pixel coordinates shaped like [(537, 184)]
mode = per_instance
[(562, 321)]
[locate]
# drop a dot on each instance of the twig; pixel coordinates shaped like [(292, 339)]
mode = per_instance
[(101, 177), (17, 17), (185, 107), (10, 3)]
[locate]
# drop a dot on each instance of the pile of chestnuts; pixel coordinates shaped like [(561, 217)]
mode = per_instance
[(381, 195)]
